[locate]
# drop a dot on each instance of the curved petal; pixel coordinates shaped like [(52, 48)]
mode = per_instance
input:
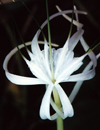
[(35, 47), (75, 91), (79, 83), (91, 54), (59, 112), (75, 38), (83, 76), (70, 19), (66, 105), (11, 53), (84, 44), (71, 43), (21, 80), (61, 13), (45, 105)]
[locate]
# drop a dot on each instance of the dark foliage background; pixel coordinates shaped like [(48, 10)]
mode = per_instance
[(19, 105)]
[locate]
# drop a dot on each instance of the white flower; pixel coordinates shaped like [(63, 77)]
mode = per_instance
[(64, 64)]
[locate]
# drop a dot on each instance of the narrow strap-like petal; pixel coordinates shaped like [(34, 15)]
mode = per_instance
[(79, 83), (85, 45), (21, 80), (61, 13), (75, 38), (59, 112), (85, 75), (35, 46), (66, 105), (91, 54), (88, 67), (11, 53), (79, 25), (45, 105), (82, 76)]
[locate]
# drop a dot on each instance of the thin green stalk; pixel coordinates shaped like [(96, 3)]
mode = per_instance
[(91, 49), (59, 120), (71, 22), (50, 48), (60, 125)]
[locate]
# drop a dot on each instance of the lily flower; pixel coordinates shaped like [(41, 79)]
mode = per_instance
[(64, 64)]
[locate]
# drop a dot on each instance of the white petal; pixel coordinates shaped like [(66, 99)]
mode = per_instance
[(88, 67), (21, 80), (59, 112), (45, 105), (75, 91), (35, 46), (70, 68), (83, 76), (64, 50), (61, 13), (75, 38), (66, 105), (79, 83), (37, 71), (65, 61), (46, 59), (91, 54), (32, 56), (70, 19), (13, 78), (11, 53), (64, 12), (84, 44)]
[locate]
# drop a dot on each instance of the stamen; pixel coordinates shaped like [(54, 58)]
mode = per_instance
[(91, 49), (71, 21), (50, 48)]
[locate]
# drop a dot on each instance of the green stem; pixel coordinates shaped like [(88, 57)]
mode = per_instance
[(60, 123), (58, 103), (71, 22), (50, 48)]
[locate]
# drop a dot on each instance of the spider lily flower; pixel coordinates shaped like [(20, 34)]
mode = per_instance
[(64, 64)]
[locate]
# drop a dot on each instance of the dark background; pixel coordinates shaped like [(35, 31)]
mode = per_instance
[(19, 105)]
